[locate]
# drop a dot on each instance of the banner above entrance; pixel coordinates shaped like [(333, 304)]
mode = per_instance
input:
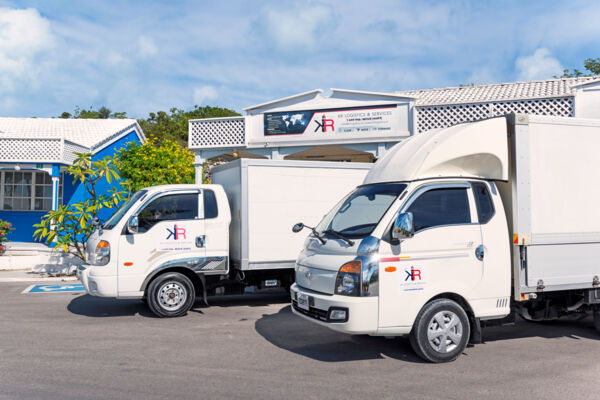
[(371, 119)]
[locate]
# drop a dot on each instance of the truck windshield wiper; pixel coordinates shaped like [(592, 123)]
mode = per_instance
[(339, 236), (299, 226)]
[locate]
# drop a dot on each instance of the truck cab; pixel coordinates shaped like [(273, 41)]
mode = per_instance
[(162, 245)]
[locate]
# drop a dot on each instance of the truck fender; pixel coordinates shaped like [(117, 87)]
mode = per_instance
[(475, 323), (193, 268)]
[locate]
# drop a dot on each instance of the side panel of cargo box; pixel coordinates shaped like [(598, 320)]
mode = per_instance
[(555, 203), (270, 196)]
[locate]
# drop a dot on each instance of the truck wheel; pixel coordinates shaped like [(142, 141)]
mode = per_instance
[(597, 318), (441, 331), (171, 295)]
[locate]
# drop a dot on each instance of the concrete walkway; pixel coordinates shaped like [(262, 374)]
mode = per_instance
[(31, 276)]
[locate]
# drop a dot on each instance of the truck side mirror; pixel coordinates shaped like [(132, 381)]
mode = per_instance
[(404, 227), (298, 227), (133, 224)]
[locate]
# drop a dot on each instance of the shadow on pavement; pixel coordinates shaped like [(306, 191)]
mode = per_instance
[(292, 333), (249, 299), (578, 327), (91, 306)]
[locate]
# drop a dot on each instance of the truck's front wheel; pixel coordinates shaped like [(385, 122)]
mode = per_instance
[(171, 295), (597, 317), (441, 331)]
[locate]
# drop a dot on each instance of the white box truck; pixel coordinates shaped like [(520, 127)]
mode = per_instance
[(167, 244), (457, 228)]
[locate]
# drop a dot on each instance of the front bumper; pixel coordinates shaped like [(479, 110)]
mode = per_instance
[(362, 312), (97, 285)]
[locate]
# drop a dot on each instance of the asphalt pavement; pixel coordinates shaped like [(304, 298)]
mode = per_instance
[(74, 346)]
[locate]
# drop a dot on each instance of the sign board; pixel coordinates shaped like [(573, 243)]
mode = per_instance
[(375, 120), (54, 288)]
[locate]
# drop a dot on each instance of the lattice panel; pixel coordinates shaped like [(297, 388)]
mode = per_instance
[(33, 150), (559, 107), (217, 132), (435, 117), (71, 149)]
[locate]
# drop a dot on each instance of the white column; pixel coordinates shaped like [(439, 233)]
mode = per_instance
[(55, 181)]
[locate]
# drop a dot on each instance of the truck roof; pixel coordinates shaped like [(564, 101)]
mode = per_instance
[(164, 188), (474, 150)]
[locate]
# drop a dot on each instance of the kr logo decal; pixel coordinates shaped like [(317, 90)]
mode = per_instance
[(176, 233), (413, 274), (324, 124)]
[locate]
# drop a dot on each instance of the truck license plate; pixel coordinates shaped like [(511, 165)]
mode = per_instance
[(303, 301)]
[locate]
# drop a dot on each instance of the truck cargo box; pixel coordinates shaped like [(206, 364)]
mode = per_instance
[(267, 197), (553, 202)]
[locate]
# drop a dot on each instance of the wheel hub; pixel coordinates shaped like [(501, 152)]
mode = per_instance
[(445, 332), (172, 295)]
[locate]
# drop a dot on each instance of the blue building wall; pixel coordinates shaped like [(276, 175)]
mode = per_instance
[(73, 192), (78, 191), (23, 222)]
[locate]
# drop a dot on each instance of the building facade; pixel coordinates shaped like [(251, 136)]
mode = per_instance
[(34, 155), (350, 125)]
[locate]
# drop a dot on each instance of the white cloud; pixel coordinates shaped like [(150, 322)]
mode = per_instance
[(24, 36), (205, 93), (146, 47), (539, 65), (294, 29)]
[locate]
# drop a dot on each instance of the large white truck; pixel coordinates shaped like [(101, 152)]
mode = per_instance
[(169, 244), (457, 228)]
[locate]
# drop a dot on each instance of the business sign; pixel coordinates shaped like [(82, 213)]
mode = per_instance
[(328, 122)]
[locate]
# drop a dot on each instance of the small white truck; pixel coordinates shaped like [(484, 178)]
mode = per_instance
[(457, 228), (168, 244)]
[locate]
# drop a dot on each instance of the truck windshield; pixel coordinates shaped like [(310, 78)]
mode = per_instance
[(116, 217), (359, 213)]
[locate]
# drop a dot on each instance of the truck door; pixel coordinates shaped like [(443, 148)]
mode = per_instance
[(440, 257), (170, 227)]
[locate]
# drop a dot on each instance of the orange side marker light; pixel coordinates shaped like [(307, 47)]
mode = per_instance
[(390, 269), (128, 264)]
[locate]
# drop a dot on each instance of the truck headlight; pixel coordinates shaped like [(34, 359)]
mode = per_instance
[(347, 282), (102, 253)]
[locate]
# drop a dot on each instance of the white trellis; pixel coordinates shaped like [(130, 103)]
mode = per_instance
[(30, 150), (443, 116), (217, 132)]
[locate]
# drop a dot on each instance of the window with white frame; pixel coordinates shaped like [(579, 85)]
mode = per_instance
[(27, 191)]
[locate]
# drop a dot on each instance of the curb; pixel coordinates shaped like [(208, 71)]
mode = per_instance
[(39, 279)]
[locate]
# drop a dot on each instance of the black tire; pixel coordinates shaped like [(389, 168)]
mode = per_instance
[(171, 295), (436, 316)]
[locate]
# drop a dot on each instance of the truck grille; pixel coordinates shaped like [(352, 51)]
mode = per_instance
[(312, 312)]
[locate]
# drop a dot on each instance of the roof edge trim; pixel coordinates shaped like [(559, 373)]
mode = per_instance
[(315, 91)]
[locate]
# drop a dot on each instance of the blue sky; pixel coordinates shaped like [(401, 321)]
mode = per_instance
[(144, 56)]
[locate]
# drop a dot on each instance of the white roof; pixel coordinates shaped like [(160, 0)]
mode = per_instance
[(475, 150), (338, 98), (560, 87), (90, 133)]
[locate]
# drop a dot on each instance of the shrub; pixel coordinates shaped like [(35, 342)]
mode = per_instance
[(5, 228), (150, 164), (70, 226)]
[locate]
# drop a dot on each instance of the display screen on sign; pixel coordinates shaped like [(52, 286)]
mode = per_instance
[(372, 119)]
